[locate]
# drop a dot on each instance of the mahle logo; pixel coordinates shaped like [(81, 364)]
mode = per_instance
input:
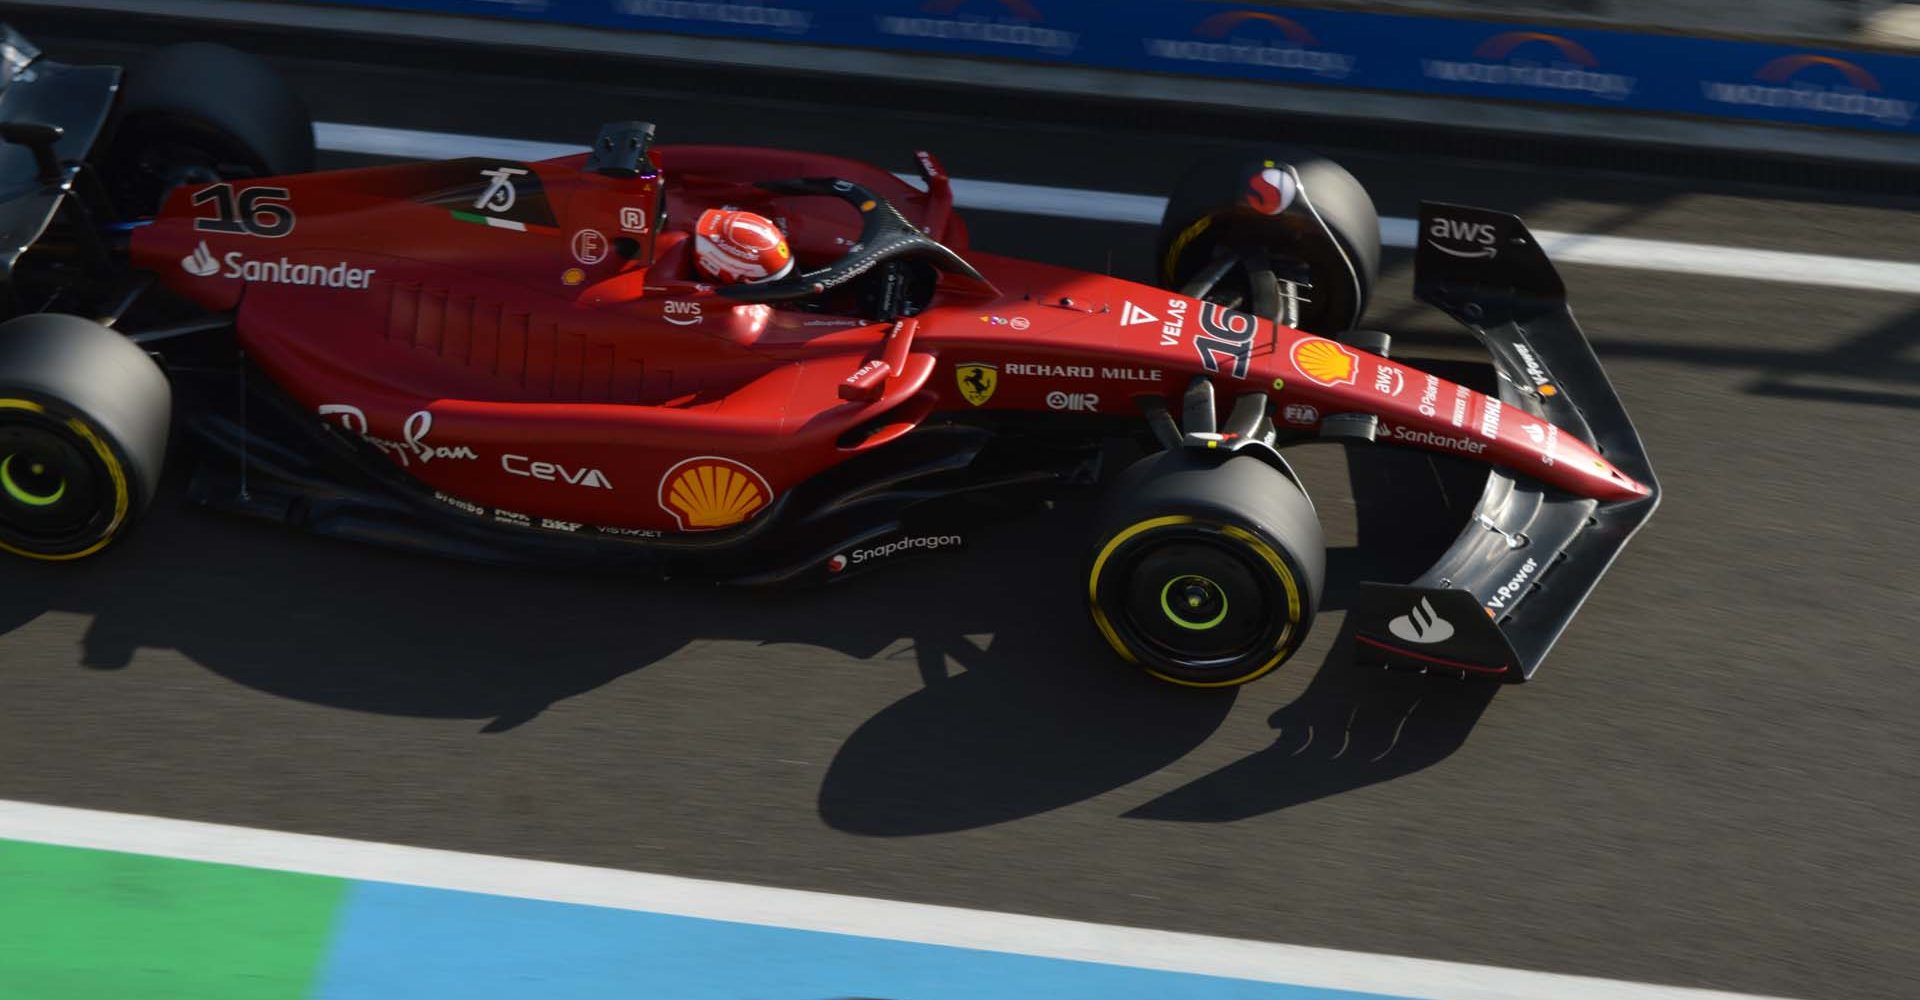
[(1816, 83)]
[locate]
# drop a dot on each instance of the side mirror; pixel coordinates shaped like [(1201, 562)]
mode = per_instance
[(39, 138), (621, 150)]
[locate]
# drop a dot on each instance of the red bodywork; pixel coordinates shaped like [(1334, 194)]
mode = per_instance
[(502, 348)]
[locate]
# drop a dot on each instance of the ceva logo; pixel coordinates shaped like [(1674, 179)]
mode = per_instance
[(1013, 23), (1807, 81), (1533, 60), (1254, 38)]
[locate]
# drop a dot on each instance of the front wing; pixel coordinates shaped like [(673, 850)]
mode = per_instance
[(1499, 597)]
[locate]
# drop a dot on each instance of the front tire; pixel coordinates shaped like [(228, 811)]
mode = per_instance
[(83, 435), (1205, 573), (1317, 226)]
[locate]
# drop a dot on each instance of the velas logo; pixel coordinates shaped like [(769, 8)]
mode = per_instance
[(1011, 23), (1255, 38), (709, 492), (1531, 60), (785, 20), (1818, 84)]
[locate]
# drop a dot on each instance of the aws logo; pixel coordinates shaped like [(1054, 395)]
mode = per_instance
[(1532, 60), (1809, 82), (1255, 38), (1013, 23)]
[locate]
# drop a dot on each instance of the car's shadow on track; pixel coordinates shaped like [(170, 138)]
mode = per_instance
[(1353, 727), (1025, 732), (1021, 708)]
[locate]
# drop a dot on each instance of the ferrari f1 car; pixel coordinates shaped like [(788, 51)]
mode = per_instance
[(506, 360)]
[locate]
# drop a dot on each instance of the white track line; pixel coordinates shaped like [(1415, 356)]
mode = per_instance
[(1112, 206), (813, 911)]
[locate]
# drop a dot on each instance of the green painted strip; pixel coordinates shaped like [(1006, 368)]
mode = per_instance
[(96, 925), (496, 222)]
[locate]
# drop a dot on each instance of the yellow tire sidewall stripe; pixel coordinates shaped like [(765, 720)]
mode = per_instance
[(1246, 538)]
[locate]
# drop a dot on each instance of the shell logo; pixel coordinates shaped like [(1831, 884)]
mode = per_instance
[(710, 492), (1326, 362)]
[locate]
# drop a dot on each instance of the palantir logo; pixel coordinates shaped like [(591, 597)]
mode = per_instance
[(1533, 60), (200, 263), (1255, 38), (1830, 86), (1421, 625), (1014, 23)]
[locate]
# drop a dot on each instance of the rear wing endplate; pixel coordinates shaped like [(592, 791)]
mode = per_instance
[(1499, 597)]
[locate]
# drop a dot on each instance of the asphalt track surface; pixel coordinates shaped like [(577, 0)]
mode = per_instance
[(1714, 782)]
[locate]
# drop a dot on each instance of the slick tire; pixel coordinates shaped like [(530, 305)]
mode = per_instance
[(1221, 206), (83, 434), (1205, 573), (199, 113)]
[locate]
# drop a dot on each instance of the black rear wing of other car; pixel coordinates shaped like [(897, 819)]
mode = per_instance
[(1499, 597)]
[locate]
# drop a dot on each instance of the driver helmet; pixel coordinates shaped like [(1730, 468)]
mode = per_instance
[(730, 245)]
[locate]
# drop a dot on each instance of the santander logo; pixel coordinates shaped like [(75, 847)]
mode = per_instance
[(200, 263)]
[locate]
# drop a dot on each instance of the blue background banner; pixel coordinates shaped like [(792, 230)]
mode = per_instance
[(1719, 78)]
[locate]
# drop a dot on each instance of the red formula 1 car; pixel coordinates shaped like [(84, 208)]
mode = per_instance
[(517, 361)]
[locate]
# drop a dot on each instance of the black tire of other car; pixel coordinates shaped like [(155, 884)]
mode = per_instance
[(84, 416), (200, 113), (1205, 572), (1229, 207)]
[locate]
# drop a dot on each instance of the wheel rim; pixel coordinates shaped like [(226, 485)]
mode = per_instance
[(1197, 598), (36, 485), (61, 492), (1197, 603)]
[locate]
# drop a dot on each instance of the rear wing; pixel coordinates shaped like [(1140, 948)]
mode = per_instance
[(1499, 597)]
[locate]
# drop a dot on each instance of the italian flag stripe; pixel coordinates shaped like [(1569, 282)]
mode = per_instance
[(488, 220)]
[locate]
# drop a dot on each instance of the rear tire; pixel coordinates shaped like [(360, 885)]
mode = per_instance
[(83, 435), (1205, 573), (200, 113), (1225, 206)]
